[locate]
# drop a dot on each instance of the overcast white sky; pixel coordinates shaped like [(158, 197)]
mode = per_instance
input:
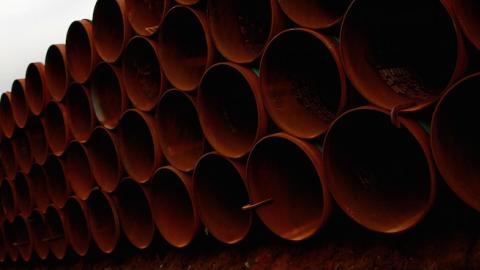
[(28, 27)]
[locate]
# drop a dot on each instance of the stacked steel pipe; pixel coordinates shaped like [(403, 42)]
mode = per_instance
[(163, 116)]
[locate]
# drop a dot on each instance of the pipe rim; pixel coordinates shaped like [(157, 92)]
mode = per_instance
[(75, 216), (56, 114), (185, 182), (184, 104), (460, 67), (143, 174), (106, 183), (334, 60), (224, 46), (20, 108), (40, 247), (136, 15), (59, 243), (107, 114), (105, 46), (416, 132), (56, 64), (313, 156), (58, 188), (253, 82), (77, 169), (6, 116), (36, 89), (80, 44), (129, 218), (440, 154), (179, 81), (98, 234), (235, 168), (81, 118), (143, 97)]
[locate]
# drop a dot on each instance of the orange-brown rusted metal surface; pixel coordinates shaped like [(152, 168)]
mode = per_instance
[(230, 109), (181, 136)]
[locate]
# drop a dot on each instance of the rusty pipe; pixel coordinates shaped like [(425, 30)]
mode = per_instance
[(22, 150), (23, 238), (56, 72), (38, 180), (186, 49), (144, 80), (138, 140), (234, 120), (7, 122), (467, 11), (399, 44), (103, 220), (81, 116), (241, 29), (57, 238), (382, 175), (181, 139), (220, 190), (36, 137), (145, 16), (58, 188), (286, 186), (315, 14), (187, 2), (57, 127), (134, 212), (8, 159), (24, 194), (8, 199), (77, 170), (105, 163), (36, 140), (10, 238), (39, 229), (82, 56), (108, 94), (111, 29), (454, 138), (36, 89), (20, 109), (173, 208), (3, 246), (76, 225), (303, 83)]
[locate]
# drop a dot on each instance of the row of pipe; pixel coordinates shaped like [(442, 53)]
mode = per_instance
[(161, 116)]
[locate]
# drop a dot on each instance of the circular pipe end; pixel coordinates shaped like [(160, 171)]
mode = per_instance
[(230, 109), (175, 213), (285, 181), (76, 225), (110, 29), (105, 162), (144, 82), (381, 175), (56, 72), (108, 94), (302, 82), (139, 147), (104, 221), (220, 191), (186, 50), (181, 139), (135, 213), (81, 51), (36, 89)]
